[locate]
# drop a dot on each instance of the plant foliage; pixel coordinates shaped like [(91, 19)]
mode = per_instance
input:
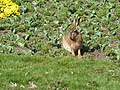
[(41, 24)]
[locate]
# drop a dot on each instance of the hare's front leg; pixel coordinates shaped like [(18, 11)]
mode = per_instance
[(79, 53), (72, 51)]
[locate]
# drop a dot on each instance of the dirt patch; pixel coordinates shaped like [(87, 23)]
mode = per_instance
[(98, 54), (2, 32)]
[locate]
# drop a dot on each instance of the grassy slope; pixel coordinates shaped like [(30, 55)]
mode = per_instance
[(49, 73)]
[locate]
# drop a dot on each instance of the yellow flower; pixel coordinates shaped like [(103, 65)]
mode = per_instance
[(2, 15), (7, 11), (8, 8)]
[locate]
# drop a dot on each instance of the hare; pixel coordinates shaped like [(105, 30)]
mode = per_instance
[(72, 41)]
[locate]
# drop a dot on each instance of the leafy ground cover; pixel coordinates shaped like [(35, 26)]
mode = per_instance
[(60, 73), (39, 27)]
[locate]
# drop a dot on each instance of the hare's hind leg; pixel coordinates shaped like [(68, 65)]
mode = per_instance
[(79, 53)]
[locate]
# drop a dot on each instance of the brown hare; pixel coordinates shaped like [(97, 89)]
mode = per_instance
[(72, 41)]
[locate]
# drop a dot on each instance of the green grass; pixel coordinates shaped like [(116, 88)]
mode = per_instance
[(60, 73)]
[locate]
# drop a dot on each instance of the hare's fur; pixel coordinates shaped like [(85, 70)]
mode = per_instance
[(72, 41)]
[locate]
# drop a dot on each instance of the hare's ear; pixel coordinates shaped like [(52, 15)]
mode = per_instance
[(74, 22), (78, 21), (73, 25)]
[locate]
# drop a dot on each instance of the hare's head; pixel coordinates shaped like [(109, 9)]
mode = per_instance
[(74, 30), (73, 35)]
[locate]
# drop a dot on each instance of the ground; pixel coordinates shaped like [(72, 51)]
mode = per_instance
[(58, 73)]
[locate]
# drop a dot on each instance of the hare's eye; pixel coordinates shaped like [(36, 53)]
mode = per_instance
[(75, 30)]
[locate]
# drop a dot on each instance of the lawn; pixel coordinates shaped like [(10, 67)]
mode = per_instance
[(59, 73)]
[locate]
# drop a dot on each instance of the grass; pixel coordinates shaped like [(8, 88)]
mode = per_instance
[(60, 73)]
